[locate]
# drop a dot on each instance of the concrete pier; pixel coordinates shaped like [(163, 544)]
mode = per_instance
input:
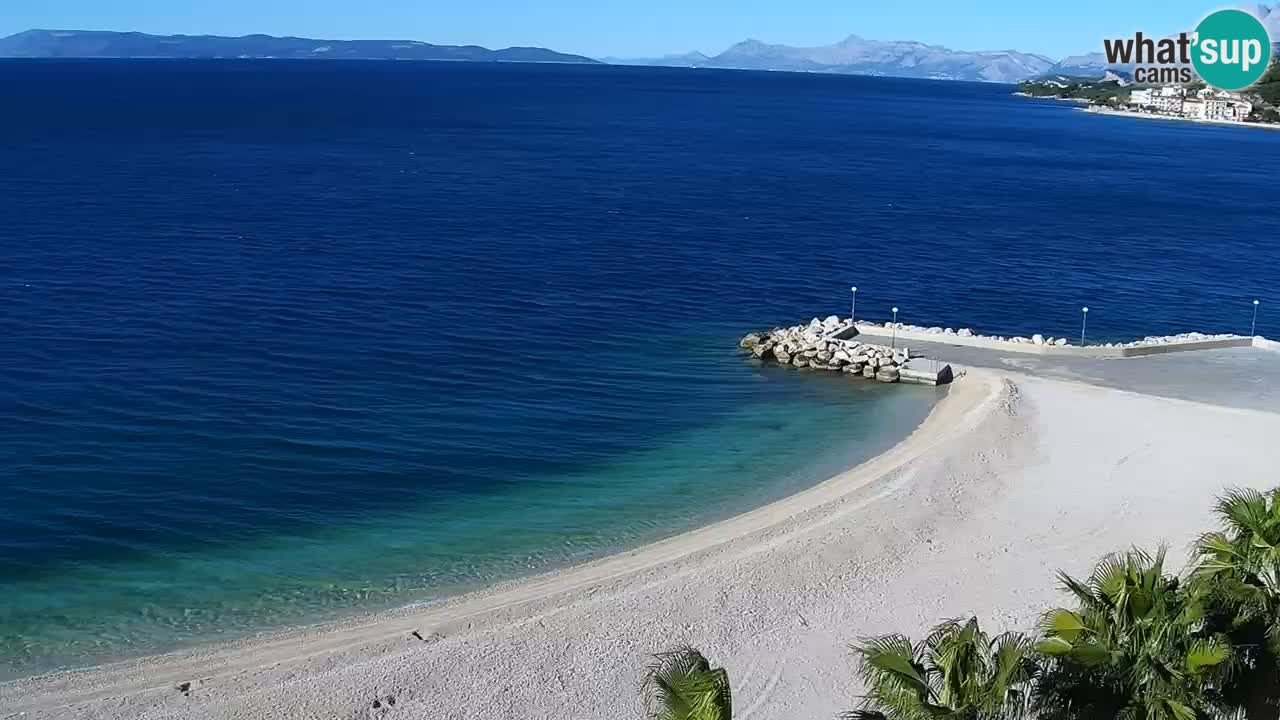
[(1061, 347), (881, 351), (920, 371)]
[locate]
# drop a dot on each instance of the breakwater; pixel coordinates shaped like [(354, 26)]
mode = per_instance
[(829, 345), (948, 334), (1039, 344)]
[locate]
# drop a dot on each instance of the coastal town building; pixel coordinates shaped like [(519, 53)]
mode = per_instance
[(1168, 104), (1227, 109), (1204, 104)]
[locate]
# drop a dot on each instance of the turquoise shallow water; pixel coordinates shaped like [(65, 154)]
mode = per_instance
[(285, 341), (791, 430)]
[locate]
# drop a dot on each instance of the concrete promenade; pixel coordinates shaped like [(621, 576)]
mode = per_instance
[(912, 337)]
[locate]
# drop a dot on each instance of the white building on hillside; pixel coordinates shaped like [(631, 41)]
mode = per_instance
[(1204, 104), (1227, 109), (1141, 98), (1171, 104)]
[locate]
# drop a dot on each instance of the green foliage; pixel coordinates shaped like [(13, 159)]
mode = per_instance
[(682, 685), (1136, 646), (956, 672), (1103, 93), (1269, 85), (1236, 574)]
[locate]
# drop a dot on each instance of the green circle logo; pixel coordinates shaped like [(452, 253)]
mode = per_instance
[(1232, 49)]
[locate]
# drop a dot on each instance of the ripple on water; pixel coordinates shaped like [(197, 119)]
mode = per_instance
[(466, 323)]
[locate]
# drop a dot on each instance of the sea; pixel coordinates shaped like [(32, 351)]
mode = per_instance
[(283, 342)]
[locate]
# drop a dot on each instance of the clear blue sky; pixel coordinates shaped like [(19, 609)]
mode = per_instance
[(634, 28)]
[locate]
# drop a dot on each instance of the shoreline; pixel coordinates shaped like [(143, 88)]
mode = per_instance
[(138, 677), (1009, 479), (1084, 105), (1097, 110), (811, 437)]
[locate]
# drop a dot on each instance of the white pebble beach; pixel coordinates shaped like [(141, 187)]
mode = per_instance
[(1010, 479)]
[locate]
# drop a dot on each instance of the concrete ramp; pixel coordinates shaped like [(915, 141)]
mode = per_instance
[(921, 371)]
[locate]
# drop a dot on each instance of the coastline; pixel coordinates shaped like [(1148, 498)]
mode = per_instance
[(1083, 105), (792, 434), (1010, 479), (1152, 116), (1073, 101), (146, 681)]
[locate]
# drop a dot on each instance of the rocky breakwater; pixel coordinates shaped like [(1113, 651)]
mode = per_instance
[(1190, 337), (815, 346), (949, 334)]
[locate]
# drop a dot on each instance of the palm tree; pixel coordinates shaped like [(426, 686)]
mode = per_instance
[(956, 672), (1237, 576), (682, 685), (1136, 648)]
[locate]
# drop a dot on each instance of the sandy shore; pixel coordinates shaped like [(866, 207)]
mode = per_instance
[(1010, 479)]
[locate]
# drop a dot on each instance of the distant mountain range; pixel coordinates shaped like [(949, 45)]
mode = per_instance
[(854, 55), (858, 56), (105, 44)]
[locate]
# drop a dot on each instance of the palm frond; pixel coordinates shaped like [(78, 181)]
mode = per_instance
[(1063, 624), (682, 685), (1207, 654), (863, 715), (957, 671), (1138, 647), (1242, 510)]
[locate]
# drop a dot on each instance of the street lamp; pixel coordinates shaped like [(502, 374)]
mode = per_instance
[(1253, 329), (894, 342), (853, 306), (1084, 321)]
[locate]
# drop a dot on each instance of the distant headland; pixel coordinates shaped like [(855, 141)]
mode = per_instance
[(107, 44)]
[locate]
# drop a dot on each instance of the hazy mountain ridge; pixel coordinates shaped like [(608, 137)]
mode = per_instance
[(904, 58), (689, 59), (854, 55), (108, 44), (858, 56)]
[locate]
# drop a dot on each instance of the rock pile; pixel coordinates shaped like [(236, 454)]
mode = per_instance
[(1171, 339), (1039, 339), (812, 346), (1036, 339)]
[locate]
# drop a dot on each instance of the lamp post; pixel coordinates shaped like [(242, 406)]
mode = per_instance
[(853, 305), (1253, 329), (1084, 321), (894, 342)]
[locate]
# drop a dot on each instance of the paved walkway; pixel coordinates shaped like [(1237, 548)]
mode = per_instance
[(1235, 377)]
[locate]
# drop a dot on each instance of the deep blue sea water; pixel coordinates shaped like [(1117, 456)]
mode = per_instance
[(283, 341)]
